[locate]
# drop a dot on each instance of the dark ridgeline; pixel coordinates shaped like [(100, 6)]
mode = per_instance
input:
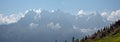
[(110, 30)]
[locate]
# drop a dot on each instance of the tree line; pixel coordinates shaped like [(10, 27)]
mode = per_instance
[(109, 30), (73, 40)]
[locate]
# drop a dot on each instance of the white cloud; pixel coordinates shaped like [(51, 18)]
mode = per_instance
[(104, 14), (81, 13), (109, 16), (114, 16), (13, 18), (53, 25), (26, 11), (33, 25), (37, 11), (52, 11), (83, 30)]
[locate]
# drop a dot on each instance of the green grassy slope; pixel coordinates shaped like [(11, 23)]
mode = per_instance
[(108, 34), (108, 38)]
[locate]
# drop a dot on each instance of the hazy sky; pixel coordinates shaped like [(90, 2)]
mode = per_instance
[(9, 6)]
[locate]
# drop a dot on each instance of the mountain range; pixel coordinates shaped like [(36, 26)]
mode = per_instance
[(47, 26)]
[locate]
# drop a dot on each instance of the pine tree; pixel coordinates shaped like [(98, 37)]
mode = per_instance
[(55, 40), (73, 38), (65, 40), (86, 37), (98, 31), (77, 40), (82, 40)]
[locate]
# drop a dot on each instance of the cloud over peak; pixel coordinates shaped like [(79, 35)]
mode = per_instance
[(109, 16), (13, 18), (83, 30), (114, 16), (37, 11), (33, 25), (81, 13), (53, 25)]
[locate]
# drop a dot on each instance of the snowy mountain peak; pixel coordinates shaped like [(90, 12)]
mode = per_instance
[(45, 24)]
